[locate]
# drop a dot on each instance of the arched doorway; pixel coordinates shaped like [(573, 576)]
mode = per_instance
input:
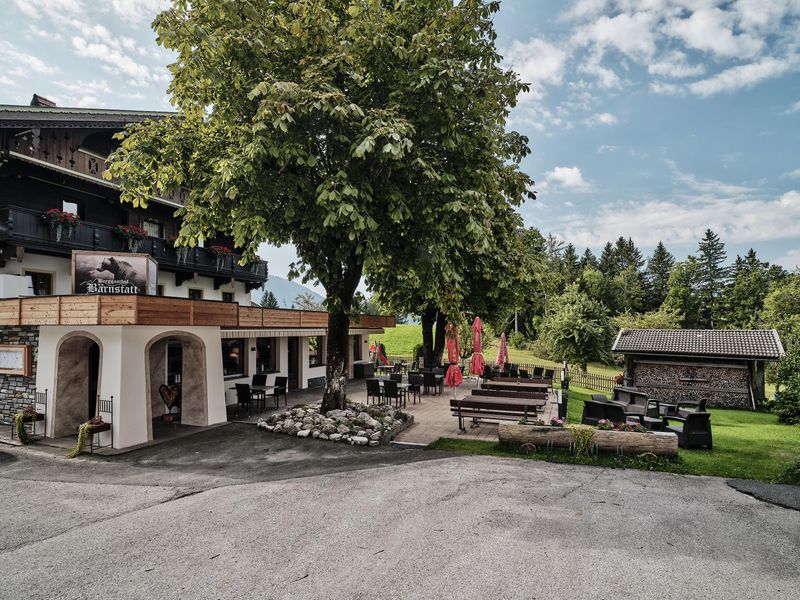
[(176, 358), (77, 383)]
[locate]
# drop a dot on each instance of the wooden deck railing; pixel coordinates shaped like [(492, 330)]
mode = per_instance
[(158, 310)]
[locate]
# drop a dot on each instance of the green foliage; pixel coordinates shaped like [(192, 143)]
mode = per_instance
[(306, 301), (782, 309), (659, 267), (19, 423), (751, 283), (517, 340), (791, 473), (682, 292), (583, 435), (788, 377), (578, 328), (363, 133), (713, 276), (268, 300), (663, 318)]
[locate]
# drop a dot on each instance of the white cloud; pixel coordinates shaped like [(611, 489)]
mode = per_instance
[(793, 108), (607, 149), (116, 61), (630, 33), (743, 76), (792, 174), (790, 260), (538, 63), (54, 9), (605, 77), (666, 89), (736, 220), (21, 64), (673, 65), (711, 30), (565, 179), (138, 11), (603, 118)]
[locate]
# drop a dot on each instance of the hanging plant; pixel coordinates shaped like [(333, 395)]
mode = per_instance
[(134, 234), (220, 254), (28, 413), (60, 221), (83, 434)]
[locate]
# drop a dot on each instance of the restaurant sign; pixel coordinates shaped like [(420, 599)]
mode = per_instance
[(113, 273)]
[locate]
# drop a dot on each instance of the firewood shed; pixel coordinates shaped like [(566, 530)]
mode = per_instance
[(726, 367)]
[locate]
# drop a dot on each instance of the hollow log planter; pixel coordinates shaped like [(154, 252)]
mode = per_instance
[(656, 442)]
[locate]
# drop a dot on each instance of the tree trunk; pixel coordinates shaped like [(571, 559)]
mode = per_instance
[(336, 370), (438, 347), (427, 318)]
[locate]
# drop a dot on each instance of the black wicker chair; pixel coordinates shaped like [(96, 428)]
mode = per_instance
[(415, 386), (694, 430), (374, 392), (280, 390), (393, 391), (243, 396)]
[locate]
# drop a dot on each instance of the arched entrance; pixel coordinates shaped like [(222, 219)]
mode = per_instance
[(77, 383), (179, 359)]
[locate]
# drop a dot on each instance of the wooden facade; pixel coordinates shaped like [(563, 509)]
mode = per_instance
[(157, 310)]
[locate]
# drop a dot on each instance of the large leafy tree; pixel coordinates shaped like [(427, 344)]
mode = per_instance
[(683, 293), (751, 282), (353, 129), (578, 329), (782, 310)]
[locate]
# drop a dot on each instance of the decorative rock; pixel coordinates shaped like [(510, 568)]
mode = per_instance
[(375, 436), (303, 433), (361, 441), (335, 437), (361, 433), (323, 436), (343, 429), (315, 434), (374, 443)]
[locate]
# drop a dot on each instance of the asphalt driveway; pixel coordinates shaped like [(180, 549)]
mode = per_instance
[(239, 513)]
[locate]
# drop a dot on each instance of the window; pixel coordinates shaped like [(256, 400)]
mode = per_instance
[(356, 347), (195, 294), (234, 358), (316, 351), (42, 283), (153, 228), (266, 355), (71, 206), (227, 296)]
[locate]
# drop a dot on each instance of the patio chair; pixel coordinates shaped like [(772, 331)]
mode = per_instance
[(392, 391), (487, 373), (694, 430), (415, 386), (538, 372), (549, 374), (687, 407), (280, 390), (243, 397), (430, 380), (374, 392), (397, 368), (593, 411), (513, 371), (398, 377), (523, 373), (259, 395), (259, 379)]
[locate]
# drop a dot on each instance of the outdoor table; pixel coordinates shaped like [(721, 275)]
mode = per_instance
[(513, 385)]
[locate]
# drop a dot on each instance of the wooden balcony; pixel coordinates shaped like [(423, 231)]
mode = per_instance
[(158, 310)]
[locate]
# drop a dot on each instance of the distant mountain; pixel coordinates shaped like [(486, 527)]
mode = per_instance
[(285, 291)]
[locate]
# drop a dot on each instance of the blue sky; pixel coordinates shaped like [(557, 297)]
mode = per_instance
[(653, 119)]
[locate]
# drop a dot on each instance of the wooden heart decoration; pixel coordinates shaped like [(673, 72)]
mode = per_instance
[(169, 395)]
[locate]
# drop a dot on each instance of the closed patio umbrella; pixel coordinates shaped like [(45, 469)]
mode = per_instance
[(502, 351), (381, 356), (477, 363), (453, 377)]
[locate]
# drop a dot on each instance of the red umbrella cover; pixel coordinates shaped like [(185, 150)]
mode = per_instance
[(477, 363), (453, 377)]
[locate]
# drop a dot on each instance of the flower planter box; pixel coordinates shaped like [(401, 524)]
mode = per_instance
[(656, 442)]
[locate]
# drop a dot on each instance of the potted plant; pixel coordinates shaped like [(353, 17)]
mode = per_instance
[(619, 379), (59, 221), (220, 254), (90, 427), (182, 252), (134, 234)]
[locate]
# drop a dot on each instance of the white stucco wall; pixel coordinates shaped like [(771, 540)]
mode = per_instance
[(123, 373)]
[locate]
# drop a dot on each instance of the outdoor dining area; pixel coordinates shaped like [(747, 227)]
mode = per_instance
[(257, 392)]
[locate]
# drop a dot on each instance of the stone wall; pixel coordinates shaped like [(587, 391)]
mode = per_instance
[(722, 385), (15, 390)]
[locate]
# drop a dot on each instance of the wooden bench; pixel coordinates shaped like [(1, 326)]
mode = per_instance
[(486, 407), (513, 385), (510, 394)]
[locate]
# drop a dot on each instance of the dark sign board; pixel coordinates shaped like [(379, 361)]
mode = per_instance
[(113, 273)]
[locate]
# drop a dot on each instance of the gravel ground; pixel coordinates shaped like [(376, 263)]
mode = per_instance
[(308, 522)]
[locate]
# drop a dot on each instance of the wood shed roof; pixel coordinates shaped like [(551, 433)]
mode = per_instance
[(753, 344)]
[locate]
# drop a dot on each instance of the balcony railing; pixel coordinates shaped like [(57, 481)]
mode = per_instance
[(25, 227)]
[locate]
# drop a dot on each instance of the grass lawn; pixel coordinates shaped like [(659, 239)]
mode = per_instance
[(400, 341), (747, 445)]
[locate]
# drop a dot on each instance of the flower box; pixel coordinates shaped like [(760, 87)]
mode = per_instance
[(656, 442)]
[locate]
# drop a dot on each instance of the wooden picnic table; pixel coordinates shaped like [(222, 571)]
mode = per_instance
[(484, 407), (515, 385)]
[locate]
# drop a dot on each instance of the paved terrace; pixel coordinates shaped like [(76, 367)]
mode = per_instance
[(432, 417)]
